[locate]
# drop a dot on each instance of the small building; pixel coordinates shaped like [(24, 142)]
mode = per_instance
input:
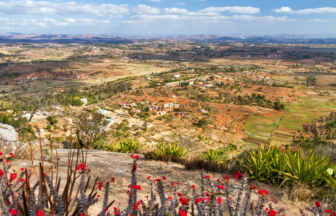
[(168, 105), (133, 104), (101, 111), (176, 76), (176, 105), (123, 105), (84, 100)]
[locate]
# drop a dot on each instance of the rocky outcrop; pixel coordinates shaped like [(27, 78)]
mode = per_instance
[(9, 139)]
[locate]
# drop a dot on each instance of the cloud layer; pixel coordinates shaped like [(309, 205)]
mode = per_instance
[(306, 11)]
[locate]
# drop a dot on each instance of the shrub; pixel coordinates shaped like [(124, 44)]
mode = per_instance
[(213, 156), (289, 167), (127, 146)]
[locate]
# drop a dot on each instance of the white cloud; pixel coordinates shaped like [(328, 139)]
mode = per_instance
[(175, 10), (154, 0), (321, 20), (49, 22), (145, 9), (6, 20), (186, 12), (264, 19), (306, 11), (237, 9), (68, 8), (283, 9), (180, 3)]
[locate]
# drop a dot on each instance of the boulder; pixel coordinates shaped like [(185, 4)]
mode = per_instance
[(9, 140)]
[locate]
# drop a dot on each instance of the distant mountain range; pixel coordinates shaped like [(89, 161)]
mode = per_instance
[(95, 38)]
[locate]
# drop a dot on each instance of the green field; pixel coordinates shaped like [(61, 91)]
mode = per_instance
[(279, 130)]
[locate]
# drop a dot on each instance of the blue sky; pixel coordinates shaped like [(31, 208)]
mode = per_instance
[(169, 17)]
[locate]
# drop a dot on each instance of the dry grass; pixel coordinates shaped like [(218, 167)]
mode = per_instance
[(25, 152), (299, 193)]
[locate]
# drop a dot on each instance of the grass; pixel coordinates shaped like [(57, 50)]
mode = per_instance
[(307, 110)]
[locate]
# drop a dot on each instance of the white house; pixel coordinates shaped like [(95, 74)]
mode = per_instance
[(102, 111), (133, 104), (176, 76), (84, 100)]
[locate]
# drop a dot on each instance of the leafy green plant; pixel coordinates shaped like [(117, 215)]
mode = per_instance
[(129, 145), (213, 156)]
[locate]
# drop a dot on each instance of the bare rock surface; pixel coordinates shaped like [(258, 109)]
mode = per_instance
[(9, 140)]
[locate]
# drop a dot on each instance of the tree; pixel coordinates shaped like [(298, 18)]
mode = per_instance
[(311, 81), (90, 128), (35, 96)]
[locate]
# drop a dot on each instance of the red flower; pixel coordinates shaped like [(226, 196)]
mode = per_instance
[(183, 201), (207, 194), (135, 207), (11, 154), (172, 184), (182, 213), (272, 213), (131, 214), (139, 187), (13, 212), (207, 177), (198, 200), (148, 177), (113, 179), (1, 173), (81, 166), (116, 211), (318, 204), (134, 168), (179, 194), (170, 198), (39, 213), (82, 214), (43, 174), (219, 200), (136, 157), (105, 210), (100, 185), (193, 186), (178, 183), (220, 186), (21, 180), (227, 177), (164, 177), (132, 155), (1, 153), (98, 195), (236, 176), (128, 192), (139, 202), (206, 199), (7, 161), (253, 187), (13, 176), (218, 180), (263, 192), (157, 180), (22, 169)]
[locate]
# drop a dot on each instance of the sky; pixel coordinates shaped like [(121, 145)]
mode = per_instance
[(169, 17)]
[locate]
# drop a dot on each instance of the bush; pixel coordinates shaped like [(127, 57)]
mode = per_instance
[(167, 152), (289, 167), (128, 146)]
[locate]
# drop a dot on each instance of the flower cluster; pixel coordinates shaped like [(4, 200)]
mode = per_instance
[(81, 167), (238, 174)]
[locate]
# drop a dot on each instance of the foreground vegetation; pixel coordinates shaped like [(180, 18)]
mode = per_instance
[(210, 198)]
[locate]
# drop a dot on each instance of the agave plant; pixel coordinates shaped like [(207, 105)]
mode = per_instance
[(129, 145), (311, 170), (213, 156)]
